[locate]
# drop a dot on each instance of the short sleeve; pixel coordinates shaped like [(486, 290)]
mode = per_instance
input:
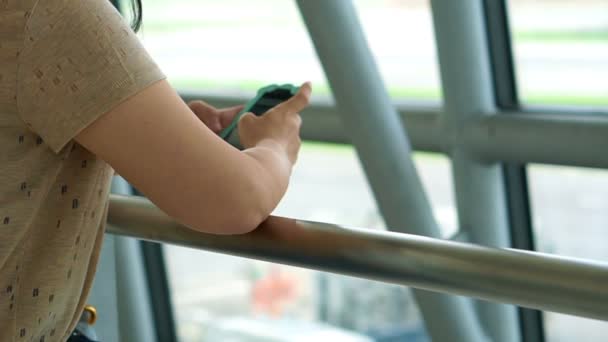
[(80, 59)]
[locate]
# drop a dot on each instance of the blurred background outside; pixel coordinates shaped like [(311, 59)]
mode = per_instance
[(233, 47)]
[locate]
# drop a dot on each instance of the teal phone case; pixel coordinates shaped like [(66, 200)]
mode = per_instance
[(225, 133)]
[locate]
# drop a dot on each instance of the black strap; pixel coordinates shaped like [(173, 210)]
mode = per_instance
[(77, 336)]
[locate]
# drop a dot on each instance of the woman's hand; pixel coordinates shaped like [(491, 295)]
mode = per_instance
[(191, 174), (215, 119), (279, 126)]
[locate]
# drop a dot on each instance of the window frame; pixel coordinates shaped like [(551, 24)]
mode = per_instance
[(514, 174)]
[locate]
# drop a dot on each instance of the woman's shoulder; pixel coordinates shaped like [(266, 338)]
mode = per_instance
[(80, 59)]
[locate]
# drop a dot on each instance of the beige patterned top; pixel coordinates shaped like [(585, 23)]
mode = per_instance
[(63, 63)]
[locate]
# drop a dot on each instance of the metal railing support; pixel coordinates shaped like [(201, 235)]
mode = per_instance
[(535, 280), (383, 148), (468, 95)]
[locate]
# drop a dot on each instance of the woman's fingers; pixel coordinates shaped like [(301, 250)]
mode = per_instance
[(215, 119), (297, 102), (247, 118), (207, 114), (227, 114)]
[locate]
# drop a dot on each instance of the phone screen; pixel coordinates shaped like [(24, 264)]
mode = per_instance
[(269, 100), (265, 100)]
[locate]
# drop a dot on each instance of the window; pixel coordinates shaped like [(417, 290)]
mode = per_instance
[(561, 51), (217, 297), (561, 56), (332, 175), (238, 45), (570, 218), (404, 49), (223, 47)]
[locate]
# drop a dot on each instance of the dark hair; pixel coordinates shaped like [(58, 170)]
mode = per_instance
[(137, 14), (135, 10)]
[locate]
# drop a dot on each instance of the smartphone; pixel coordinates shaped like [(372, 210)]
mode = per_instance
[(266, 98)]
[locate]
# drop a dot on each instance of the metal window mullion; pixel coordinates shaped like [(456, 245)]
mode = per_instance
[(135, 317), (468, 96), (501, 55), (158, 288), (382, 146), (515, 177), (522, 237), (156, 274), (519, 137)]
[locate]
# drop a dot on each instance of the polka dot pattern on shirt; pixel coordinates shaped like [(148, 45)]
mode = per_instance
[(63, 65)]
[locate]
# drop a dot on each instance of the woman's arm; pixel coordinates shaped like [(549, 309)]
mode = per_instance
[(157, 143)]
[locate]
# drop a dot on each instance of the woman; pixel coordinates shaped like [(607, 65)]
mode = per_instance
[(80, 98)]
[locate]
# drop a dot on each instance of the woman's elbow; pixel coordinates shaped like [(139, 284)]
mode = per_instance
[(246, 221), (250, 207), (238, 209), (233, 217), (237, 221)]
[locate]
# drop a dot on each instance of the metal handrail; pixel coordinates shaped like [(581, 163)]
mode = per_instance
[(529, 279)]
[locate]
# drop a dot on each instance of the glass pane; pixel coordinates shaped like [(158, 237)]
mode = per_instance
[(561, 51), (217, 297), (332, 175), (241, 45), (401, 36), (570, 218)]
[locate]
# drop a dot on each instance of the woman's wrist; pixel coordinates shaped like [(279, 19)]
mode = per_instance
[(277, 152), (274, 145), (273, 168)]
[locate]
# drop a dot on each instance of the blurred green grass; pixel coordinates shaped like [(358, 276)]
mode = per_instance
[(520, 36), (344, 149), (324, 90), (159, 22), (565, 99), (574, 36)]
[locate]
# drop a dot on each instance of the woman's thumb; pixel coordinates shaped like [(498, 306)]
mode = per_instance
[(247, 118)]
